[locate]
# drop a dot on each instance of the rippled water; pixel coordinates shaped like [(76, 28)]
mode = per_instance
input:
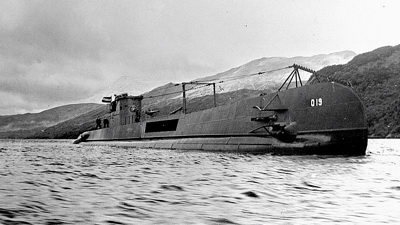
[(55, 182)]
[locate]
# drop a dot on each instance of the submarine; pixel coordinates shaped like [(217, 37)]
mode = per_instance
[(316, 118)]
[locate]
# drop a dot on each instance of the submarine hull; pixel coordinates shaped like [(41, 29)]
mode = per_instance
[(321, 119)]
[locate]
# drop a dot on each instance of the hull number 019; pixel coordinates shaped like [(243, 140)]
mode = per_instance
[(316, 102)]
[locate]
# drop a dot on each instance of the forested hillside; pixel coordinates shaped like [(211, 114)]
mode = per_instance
[(375, 76)]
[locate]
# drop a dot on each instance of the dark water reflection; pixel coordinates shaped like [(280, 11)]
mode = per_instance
[(55, 182)]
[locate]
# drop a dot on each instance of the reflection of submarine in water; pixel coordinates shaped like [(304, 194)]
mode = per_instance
[(318, 118)]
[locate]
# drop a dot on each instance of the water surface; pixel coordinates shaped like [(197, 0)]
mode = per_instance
[(55, 182)]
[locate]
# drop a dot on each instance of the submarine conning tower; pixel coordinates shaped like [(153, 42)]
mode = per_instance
[(125, 109)]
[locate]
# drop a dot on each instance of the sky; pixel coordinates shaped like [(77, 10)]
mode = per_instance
[(56, 52)]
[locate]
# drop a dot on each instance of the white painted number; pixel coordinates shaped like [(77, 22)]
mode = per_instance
[(316, 102)]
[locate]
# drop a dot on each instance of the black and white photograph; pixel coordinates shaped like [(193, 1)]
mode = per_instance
[(199, 112)]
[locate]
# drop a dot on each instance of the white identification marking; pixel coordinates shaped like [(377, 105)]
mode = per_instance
[(316, 102)]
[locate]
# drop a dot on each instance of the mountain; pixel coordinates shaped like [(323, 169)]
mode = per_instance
[(232, 85), (25, 125), (375, 76)]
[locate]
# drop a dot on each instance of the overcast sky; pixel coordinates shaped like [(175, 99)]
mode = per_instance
[(57, 52)]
